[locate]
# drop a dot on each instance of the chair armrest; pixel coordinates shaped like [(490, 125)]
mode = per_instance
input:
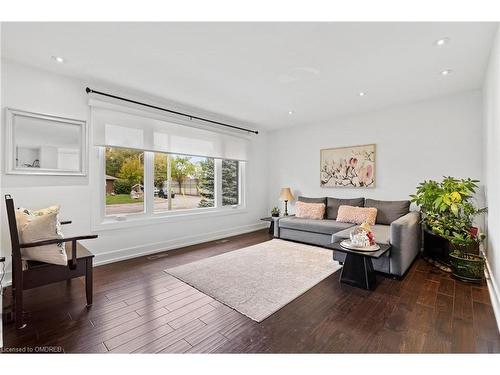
[(64, 222), (56, 241), (405, 234), (71, 262)]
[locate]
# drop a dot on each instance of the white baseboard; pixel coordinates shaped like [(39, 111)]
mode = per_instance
[(151, 248), (137, 251), (494, 293)]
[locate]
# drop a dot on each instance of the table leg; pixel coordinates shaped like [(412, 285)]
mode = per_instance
[(358, 271), (271, 227)]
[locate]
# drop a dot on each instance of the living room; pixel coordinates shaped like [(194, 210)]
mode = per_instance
[(309, 187)]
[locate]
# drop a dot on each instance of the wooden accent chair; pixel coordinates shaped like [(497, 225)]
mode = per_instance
[(38, 273)]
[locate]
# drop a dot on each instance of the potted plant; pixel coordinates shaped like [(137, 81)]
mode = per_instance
[(275, 212), (448, 214), (465, 264)]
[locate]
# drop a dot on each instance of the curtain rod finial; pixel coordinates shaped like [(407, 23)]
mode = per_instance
[(88, 90)]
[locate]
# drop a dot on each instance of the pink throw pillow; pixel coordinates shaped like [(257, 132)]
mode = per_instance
[(314, 211), (357, 215)]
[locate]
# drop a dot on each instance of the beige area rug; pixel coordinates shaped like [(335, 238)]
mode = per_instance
[(259, 280)]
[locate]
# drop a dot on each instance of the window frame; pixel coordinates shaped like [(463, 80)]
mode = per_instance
[(149, 216)]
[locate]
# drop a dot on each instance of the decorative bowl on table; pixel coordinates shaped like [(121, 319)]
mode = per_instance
[(361, 238), (348, 245)]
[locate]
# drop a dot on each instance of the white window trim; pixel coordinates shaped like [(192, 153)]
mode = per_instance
[(101, 222)]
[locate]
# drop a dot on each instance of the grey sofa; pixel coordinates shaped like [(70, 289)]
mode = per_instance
[(395, 224)]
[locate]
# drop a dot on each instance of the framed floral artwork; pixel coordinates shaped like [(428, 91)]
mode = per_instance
[(352, 166)]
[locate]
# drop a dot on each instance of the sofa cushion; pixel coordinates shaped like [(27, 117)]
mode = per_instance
[(312, 200), (388, 211), (357, 215), (333, 204), (310, 225), (315, 211), (382, 234)]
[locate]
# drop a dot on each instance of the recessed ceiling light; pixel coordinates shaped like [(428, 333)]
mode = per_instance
[(362, 93), (290, 112), (58, 59), (446, 72), (441, 42)]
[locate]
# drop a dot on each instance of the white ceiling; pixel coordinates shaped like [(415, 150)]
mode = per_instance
[(258, 72)]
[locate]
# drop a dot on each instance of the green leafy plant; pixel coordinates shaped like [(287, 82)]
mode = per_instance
[(206, 186), (122, 186), (132, 170), (275, 211), (181, 169), (448, 211)]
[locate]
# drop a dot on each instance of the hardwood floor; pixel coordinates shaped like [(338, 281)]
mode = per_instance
[(138, 308)]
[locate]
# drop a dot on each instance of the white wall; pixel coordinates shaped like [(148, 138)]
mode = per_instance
[(39, 91), (424, 140), (491, 158)]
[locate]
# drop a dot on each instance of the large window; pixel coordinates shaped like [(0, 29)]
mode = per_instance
[(182, 182), (155, 166), (142, 182), (124, 180)]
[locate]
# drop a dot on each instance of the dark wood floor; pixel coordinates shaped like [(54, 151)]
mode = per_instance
[(139, 308)]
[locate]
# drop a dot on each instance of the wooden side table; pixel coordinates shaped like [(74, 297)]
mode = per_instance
[(271, 219)]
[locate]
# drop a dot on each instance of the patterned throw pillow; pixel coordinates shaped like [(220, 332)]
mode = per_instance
[(357, 215), (314, 211), (41, 225)]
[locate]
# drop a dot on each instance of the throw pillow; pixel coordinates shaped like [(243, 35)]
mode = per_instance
[(333, 204), (41, 225), (314, 211), (388, 211), (22, 220), (357, 215), (45, 211), (313, 200)]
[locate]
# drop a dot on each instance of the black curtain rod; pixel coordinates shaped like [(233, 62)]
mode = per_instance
[(90, 91)]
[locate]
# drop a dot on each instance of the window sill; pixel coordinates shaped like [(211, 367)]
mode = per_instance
[(135, 220)]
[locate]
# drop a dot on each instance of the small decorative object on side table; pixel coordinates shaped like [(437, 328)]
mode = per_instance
[(358, 267), (286, 195), (275, 212)]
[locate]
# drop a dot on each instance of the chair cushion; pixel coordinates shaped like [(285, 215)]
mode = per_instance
[(315, 211), (357, 215), (315, 226), (388, 211), (333, 204), (382, 234), (44, 226)]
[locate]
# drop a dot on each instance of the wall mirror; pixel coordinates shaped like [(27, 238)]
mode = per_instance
[(44, 144)]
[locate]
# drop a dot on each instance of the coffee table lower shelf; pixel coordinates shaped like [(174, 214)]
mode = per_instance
[(358, 267)]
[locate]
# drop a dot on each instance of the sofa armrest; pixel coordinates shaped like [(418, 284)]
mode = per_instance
[(277, 225), (405, 234)]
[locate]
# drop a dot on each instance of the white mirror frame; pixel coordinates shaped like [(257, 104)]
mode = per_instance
[(10, 146)]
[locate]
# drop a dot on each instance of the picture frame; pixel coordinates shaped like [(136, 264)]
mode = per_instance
[(349, 166)]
